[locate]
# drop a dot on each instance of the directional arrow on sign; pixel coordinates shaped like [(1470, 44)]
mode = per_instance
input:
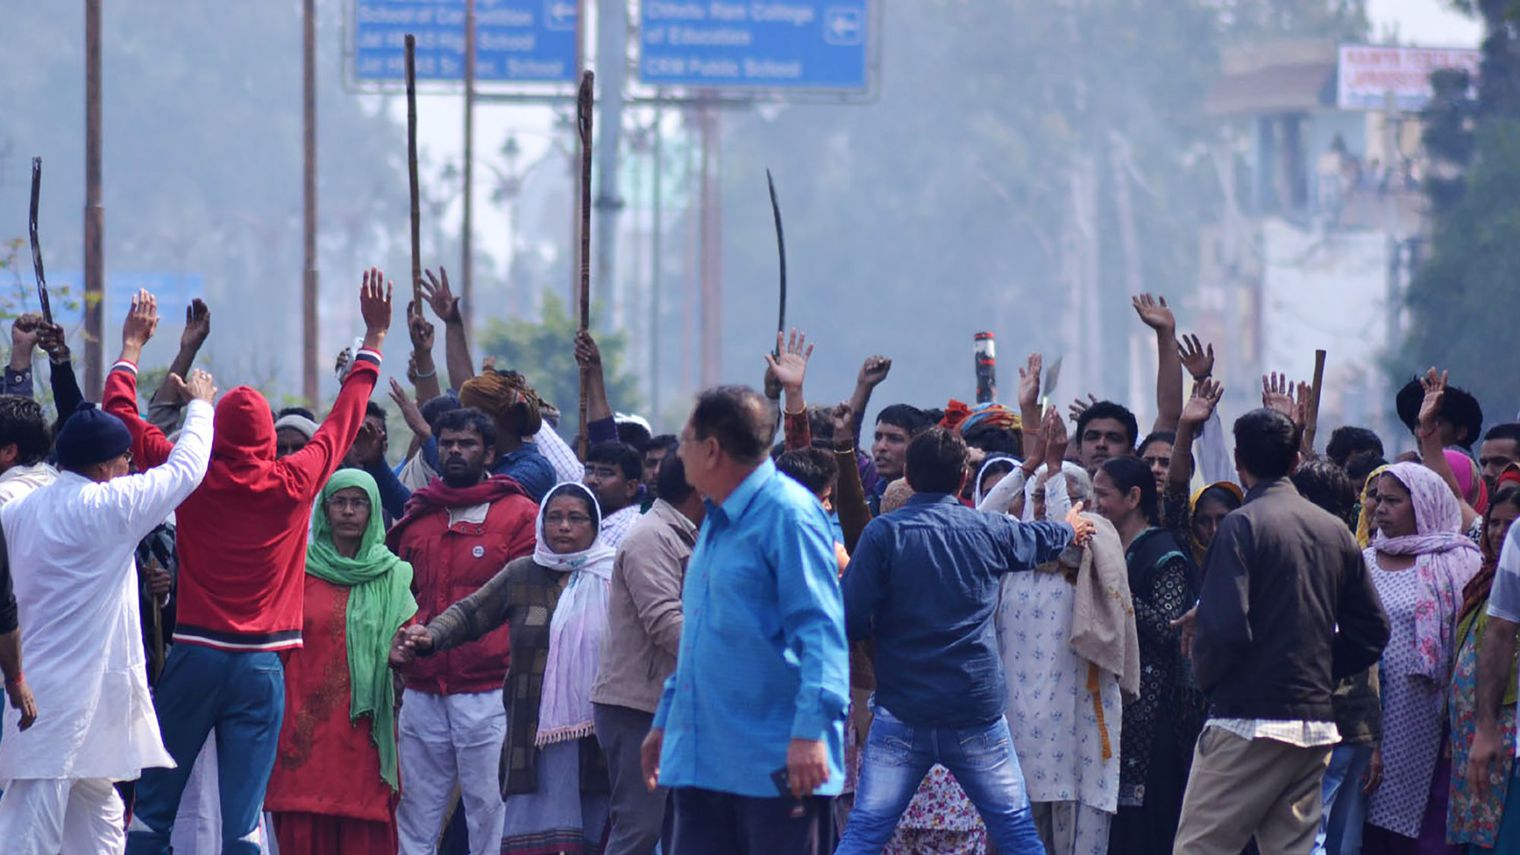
[(559, 15), (843, 27)]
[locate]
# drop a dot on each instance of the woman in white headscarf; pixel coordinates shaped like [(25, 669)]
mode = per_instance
[(553, 774)]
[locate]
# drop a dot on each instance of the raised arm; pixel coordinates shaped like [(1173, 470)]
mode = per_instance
[(1155, 314), (1199, 409), (589, 357), (149, 447), (790, 369), (165, 406), (144, 500), (872, 373), (25, 331), (849, 492), (66, 393), (310, 467), (424, 374), (1432, 454), (456, 340)]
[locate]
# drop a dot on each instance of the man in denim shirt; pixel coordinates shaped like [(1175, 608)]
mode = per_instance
[(924, 584), (749, 734)]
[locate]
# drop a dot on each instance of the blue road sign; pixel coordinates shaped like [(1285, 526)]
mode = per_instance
[(525, 41), (174, 291), (758, 44)]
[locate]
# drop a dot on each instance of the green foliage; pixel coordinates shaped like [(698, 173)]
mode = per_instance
[(544, 351), (1464, 297)]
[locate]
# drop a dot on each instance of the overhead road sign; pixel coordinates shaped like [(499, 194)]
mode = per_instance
[(516, 41)]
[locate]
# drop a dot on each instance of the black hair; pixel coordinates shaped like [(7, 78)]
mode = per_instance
[(667, 441), (1361, 465), (436, 407), (1131, 473), (619, 454), (1507, 430), (296, 411), (468, 418), (633, 434), (1350, 440), (1266, 443), (821, 423), (905, 416), (1109, 410), (1166, 436), (576, 491), (1458, 406), (936, 461), (671, 484), (813, 468), (738, 418), (1329, 487), (22, 423), (374, 410), (995, 440), (1220, 494)]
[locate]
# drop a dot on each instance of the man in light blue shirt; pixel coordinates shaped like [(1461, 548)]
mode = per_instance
[(749, 734)]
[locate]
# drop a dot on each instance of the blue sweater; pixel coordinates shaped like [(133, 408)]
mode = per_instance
[(924, 583)]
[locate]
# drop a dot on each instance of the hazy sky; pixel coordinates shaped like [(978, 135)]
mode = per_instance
[(1423, 22)]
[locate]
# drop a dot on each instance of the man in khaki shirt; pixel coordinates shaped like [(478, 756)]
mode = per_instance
[(639, 653)]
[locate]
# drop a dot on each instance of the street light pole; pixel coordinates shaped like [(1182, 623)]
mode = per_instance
[(467, 263), (309, 282), (94, 212)]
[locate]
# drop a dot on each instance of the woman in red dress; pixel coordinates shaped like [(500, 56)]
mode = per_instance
[(334, 786)]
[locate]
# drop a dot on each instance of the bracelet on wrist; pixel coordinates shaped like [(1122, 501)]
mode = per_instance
[(428, 376)]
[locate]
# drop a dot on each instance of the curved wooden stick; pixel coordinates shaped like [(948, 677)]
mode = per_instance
[(583, 104)]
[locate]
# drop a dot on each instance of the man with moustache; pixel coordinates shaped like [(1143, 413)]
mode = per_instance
[(457, 533)]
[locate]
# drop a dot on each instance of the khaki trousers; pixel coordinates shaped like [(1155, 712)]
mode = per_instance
[(1241, 788)]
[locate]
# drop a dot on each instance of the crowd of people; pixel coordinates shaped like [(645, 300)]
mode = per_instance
[(230, 628)]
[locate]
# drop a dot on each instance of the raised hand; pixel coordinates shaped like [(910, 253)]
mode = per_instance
[(435, 289), (587, 354), (51, 338), (197, 325), (420, 329), (1277, 394), (1197, 358), (200, 387), (1079, 406), (1154, 313), (368, 448), (1056, 440), (843, 417), (1029, 382), (873, 371), (142, 321), (410, 412), (375, 306), (791, 367), (1430, 408), (25, 332), (1200, 407)]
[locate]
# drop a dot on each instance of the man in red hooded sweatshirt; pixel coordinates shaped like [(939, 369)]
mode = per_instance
[(242, 549)]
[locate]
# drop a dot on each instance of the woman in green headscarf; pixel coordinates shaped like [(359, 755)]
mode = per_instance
[(334, 784)]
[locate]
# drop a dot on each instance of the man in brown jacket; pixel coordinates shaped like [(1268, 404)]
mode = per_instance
[(639, 653)]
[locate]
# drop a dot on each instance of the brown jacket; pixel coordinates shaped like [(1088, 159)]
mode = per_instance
[(644, 610)]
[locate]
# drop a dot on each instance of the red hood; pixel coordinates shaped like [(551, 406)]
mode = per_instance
[(244, 428)]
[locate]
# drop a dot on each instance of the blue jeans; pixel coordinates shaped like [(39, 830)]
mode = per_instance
[(898, 755), (242, 695), (1345, 805)]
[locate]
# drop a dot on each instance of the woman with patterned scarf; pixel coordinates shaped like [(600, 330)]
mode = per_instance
[(334, 784), (1420, 562), (553, 774)]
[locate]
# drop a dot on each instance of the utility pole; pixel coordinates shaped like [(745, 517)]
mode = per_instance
[(309, 328), (94, 212), (611, 67), (654, 263), (467, 263), (712, 250)]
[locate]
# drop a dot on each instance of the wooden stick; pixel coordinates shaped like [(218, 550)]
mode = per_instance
[(411, 165), (1311, 422), (583, 104)]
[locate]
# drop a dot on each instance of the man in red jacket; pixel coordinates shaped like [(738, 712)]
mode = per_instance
[(242, 550), (457, 533)]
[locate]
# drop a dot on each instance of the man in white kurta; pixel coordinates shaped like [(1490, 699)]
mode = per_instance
[(72, 545)]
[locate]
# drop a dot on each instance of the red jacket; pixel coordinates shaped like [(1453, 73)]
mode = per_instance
[(451, 562), (242, 533)]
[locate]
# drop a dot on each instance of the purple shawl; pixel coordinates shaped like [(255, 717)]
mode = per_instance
[(1447, 560)]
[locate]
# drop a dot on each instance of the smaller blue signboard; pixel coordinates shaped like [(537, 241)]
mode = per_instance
[(526, 41), (759, 44)]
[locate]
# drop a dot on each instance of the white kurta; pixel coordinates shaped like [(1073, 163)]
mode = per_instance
[(71, 549), (19, 481)]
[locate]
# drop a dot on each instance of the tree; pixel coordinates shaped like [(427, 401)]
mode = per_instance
[(544, 352), (1463, 297)]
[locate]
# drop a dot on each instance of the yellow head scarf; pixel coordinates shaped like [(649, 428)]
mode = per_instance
[(1364, 519)]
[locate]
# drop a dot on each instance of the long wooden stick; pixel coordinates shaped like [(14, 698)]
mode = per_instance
[(411, 165), (1311, 422), (583, 105)]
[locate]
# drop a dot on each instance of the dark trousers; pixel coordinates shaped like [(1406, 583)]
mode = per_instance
[(638, 816), (710, 823), (242, 695)]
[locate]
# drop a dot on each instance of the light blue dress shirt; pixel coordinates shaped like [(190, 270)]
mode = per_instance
[(763, 654)]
